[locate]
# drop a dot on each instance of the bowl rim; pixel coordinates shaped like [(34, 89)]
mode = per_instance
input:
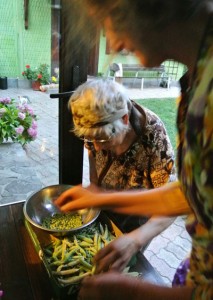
[(56, 230)]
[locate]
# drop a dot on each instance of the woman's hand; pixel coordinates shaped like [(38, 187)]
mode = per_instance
[(116, 255), (76, 198)]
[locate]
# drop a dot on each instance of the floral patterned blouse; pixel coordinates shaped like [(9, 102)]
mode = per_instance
[(195, 166), (148, 163)]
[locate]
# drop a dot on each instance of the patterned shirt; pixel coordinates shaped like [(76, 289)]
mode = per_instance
[(148, 163), (195, 166)]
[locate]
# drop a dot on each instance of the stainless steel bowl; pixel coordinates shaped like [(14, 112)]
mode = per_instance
[(41, 205)]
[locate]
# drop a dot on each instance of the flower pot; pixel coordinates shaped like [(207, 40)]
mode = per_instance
[(3, 83), (36, 85), (24, 83)]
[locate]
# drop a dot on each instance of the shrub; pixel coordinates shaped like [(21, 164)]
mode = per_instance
[(17, 122)]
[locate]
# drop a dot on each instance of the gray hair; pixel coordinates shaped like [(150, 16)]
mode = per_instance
[(97, 108)]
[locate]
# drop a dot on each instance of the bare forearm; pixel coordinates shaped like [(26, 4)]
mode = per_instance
[(167, 200), (144, 234)]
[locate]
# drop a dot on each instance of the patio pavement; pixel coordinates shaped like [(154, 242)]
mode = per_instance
[(24, 171)]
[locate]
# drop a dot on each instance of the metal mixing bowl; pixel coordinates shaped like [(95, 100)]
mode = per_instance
[(41, 205)]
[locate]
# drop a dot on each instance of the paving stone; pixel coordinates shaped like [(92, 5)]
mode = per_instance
[(178, 251), (157, 244), (172, 231), (185, 235), (162, 267), (22, 186), (169, 258), (6, 179), (148, 254), (184, 243), (23, 170), (166, 280), (180, 221), (49, 181)]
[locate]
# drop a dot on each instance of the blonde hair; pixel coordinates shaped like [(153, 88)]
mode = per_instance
[(97, 108)]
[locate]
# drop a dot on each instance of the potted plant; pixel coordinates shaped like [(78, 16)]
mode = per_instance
[(38, 76), (53, 85), (26, 81), (41, 76), (17, 122)]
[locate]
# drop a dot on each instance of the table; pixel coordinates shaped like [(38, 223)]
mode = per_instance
[(22, 274)]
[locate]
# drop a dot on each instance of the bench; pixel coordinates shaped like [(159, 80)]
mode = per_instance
[(137, 72)]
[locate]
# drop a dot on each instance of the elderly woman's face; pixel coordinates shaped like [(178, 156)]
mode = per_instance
[(107, 143), (149, 51)]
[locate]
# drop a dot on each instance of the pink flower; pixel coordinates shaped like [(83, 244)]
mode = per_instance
[(39, 76), (21, 116), (34, 124), (19, 129), (30, 111), (6, 100), (27, 108), (32, 132), (27, 66)]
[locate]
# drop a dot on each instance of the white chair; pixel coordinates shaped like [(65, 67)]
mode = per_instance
[(114, 71)]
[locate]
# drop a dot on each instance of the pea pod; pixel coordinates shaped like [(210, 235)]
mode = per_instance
[(85, 244), (99, 245), (106, 233), (96, 240), (66, 272), (101, 229), (85, 264), (74, 279), (70, 264), (82, 252), (85, 239)]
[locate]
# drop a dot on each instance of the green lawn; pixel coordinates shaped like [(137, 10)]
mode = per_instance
[(166, 109)]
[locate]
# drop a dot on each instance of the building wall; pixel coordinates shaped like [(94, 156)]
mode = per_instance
[(20, 46)]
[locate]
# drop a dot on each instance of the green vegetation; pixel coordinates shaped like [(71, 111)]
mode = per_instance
[(166, 109)]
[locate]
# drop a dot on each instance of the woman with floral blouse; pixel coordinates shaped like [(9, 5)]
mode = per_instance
[(156, 30)]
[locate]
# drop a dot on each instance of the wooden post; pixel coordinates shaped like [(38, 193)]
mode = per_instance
[(73, 72), (26, 9)]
